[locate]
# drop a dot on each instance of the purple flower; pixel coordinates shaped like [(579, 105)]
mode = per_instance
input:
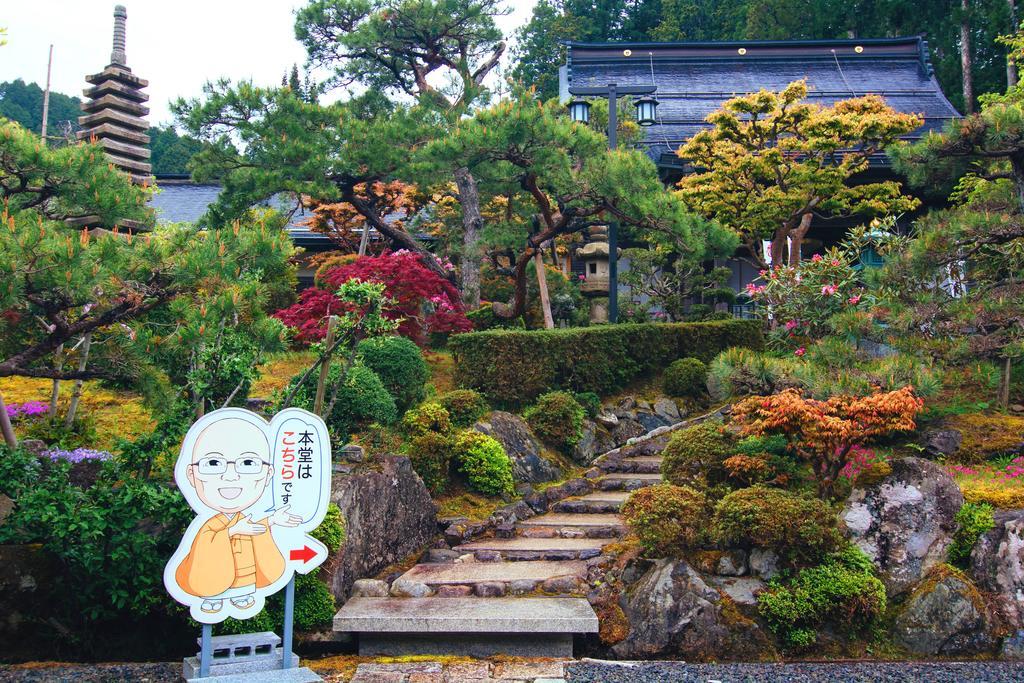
[(29, 409), (77, 455)]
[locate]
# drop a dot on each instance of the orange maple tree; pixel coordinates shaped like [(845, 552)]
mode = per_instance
[(824, 432), (343, 223)]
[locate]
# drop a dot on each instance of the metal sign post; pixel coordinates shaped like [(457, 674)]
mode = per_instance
[(289, 614)]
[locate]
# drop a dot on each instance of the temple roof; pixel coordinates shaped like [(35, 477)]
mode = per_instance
[(694, 79)]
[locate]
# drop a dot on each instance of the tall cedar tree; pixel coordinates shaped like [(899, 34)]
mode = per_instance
[(771, 162), (408, 47), (573, 180)]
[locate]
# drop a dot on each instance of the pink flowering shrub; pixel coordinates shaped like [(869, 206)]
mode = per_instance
[(999, 485), (30, 409), (860, 459), (802, 298)]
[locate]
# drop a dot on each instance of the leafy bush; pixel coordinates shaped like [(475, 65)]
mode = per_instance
[(53, 432), (763, 459), (314, 608), (667, 519), (694, 456), (513, 367), (843, 591), (362, 399), (685, 377), (557, 419), (972, 520), (484, 318), (800, 528), (590, 401), (741, 371), (331, 531), (118, 532), (428, 418), (484, 463), (400, 365), (464, 406), (430, 454)]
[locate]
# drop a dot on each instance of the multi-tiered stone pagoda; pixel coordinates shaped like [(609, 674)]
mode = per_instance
[(114, 110)]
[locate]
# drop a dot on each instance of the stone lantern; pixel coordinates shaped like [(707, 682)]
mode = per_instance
[(594, 285)]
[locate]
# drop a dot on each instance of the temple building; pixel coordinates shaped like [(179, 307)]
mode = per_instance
[(695, 79)]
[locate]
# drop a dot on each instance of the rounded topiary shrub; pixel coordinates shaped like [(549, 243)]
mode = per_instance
[(361, 400), (557, 418), (694, 456), (800, 528), (427, 418), (667, 519), (484, 462), (685, 377), (464, 406), (400, 365), (430, 454)]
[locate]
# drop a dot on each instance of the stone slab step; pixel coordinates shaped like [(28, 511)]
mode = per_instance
[(525, 549), (466, 626), (497, 579), (597, 502), (627, 481), (573, 525), (641, 464)]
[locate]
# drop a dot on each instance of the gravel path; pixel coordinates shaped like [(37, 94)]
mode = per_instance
[(161, 672), (848, 672)]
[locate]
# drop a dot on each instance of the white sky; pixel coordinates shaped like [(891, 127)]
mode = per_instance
[(177, 45)]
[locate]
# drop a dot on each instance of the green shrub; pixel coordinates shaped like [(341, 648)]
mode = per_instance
[(428, 418), (781, 466), (685, 377), (484, 318), (400, 365), (362, 399), (694, 456), (81, 434), (314, 608), (742, 371), (800, 528), (511, 368), (590, 401), (430, 454), (557, 419), (484, 463), (972, 520), (667, 519), (331, 531), (843, 591), (464, 406)]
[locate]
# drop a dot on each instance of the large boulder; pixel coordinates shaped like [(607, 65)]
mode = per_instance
[(905, 521), (595, 441), (997, 565), (523, 448), (388, 516), (673, 612), (945, 615)]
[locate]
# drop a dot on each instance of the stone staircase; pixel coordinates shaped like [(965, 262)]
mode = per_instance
[(521, 595)]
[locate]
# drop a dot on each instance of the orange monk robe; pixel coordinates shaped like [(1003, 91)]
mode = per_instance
[(218, 561)]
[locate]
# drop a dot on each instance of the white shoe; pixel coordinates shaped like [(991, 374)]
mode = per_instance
[(244, 602), (211, 606)]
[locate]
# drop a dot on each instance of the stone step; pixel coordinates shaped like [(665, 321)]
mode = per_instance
[(627, 482), (474, 627), (494, 579), (572, 525), (522, 549), (597, 502), (641, 464)]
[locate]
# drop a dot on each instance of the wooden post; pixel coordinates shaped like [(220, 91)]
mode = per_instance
[(321, 385), (542, 286), (46, 100)]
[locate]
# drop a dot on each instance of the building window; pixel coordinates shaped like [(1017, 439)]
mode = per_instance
[(593, 268)]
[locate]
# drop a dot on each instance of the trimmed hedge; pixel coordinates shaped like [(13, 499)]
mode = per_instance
[(513, 367)]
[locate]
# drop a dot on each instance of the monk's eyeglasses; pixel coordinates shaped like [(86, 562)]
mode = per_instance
[(214, 465)]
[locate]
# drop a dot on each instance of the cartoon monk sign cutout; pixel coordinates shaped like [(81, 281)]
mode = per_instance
[(258, 489)]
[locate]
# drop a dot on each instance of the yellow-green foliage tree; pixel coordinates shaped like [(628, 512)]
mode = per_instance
[(771, 161)]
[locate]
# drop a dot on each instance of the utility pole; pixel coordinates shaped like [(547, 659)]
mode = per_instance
[(46, 96)]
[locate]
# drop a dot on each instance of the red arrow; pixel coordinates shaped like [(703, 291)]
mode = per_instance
[(304, 555)]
